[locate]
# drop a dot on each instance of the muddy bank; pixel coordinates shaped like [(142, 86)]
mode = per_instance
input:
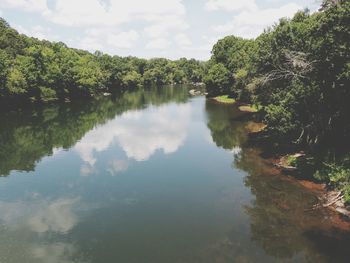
[(327, 198), (314, 212)]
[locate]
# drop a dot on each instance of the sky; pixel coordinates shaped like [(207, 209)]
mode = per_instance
[(147, 28)]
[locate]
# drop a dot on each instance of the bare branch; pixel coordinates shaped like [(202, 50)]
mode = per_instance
[(296, 65)]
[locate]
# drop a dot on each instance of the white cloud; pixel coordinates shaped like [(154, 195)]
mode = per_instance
[(164, 27), (139, 133), (80, 13), (250, 24), (145, 28), (231, 5), (89, 43), (124, 39), (159, 43), (37, 32), (183, 40), (97, 13), (108, 26), (108, 37), (26, 5)]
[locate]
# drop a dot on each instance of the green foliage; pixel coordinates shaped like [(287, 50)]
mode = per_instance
[(337, 175), (132, 79), (235, 54), (43, 71), (87, 76), (16, 82), (156, 72), (179, 76), (225, 99), (297, 71), (218, 80), (346, 191), (4, 66), (292, 160), (280, 121), (47, 94)]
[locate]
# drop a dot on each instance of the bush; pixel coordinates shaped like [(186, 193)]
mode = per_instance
[(218, 80)]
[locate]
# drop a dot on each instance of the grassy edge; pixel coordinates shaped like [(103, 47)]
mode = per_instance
[(225, 99)]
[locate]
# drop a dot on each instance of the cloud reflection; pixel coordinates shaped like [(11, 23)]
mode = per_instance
[(55, 253), (117, 166), (139, 133), (33, 220), (42, 216), (57, 216)]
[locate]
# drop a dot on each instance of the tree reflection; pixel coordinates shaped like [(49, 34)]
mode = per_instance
[(281, 217), (225, 132), (28, 135), (281, 222)]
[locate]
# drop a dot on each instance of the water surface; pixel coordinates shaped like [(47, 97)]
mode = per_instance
[(151, 176)]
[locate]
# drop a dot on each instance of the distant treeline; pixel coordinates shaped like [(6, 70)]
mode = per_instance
[(36, 70), (298, 74)]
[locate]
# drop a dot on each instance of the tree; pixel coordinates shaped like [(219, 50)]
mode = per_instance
[(37, 70), (219, 80), (132, 79), (4, 70), (16, 82)]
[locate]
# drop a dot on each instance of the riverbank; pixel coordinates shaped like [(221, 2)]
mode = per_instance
[(328, 197), (225, 99), (242, 107), (286, 161)]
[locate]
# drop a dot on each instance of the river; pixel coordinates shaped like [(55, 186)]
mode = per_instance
[(151, 176)]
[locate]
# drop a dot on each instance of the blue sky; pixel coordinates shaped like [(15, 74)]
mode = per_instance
[(148, 28)]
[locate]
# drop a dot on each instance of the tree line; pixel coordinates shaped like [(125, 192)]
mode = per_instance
[(297, 73), (36, 70)]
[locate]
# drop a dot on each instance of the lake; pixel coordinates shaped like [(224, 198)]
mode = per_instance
[(151, 176)]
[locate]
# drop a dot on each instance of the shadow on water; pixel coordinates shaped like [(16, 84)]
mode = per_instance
[(281, 222)]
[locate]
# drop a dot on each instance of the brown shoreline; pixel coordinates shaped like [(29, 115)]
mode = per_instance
[(324, 196), (330, 199), (339, 220), (327, 198)]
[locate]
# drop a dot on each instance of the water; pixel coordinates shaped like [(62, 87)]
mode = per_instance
[(153, 176)]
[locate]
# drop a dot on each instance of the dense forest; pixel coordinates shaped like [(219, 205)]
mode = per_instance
[(297, 73), (43, 71)]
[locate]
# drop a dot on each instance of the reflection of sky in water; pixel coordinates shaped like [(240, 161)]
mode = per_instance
[(27, 222), (40, 215), (139, 133), (166, 191)]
